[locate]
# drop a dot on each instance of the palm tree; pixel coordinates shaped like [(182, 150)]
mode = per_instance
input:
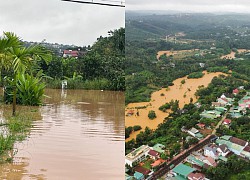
[(17, 58)]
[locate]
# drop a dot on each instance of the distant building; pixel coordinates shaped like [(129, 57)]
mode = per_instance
[(70, 53)]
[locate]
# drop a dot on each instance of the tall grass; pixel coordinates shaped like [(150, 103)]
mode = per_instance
[(95, 84), (18, 128)]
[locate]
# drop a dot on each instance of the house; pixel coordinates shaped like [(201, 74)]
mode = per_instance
[(201, 125), (159, 148), (137, 155), (157, 162), (210, 161), (236, 91), (217, 104), (246, 152), (142, 170), (154, 154), (221, 109), (70, 53), (225, 100), (223, 150), (183, 170), (211, 151), (234, 144), (204, 114), (130, 113), (196, 176), (227, 122), (238, 141), (193, 160), (195, 133), (138, 176)]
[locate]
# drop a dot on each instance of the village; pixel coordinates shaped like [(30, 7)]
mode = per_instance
[(208, 149)]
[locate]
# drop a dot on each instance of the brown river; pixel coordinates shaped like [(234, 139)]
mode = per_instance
[(79, 136)]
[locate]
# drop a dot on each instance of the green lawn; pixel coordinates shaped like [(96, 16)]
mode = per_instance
[(147, 164)]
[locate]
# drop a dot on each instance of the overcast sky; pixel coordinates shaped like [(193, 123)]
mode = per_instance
[(59, 21), (241, 6)]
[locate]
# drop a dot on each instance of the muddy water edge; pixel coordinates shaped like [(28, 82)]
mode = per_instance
[(79, 135)]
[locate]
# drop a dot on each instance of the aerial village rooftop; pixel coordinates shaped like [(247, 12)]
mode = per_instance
[(146, 162)]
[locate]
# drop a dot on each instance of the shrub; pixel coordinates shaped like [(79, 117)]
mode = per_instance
[(151, 114), (137, 128)]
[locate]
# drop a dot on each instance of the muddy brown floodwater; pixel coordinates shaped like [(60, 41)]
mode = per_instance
[(79, 137), (179, 91)]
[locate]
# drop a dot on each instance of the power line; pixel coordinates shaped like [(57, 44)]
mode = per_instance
[(103, 4)]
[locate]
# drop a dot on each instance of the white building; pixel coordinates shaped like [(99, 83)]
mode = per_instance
[(137, 155)]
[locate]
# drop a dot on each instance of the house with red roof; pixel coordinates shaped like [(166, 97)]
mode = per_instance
[(201, 125), (236, 91), (157, 162), (70, 53), (227, 122), (210, 161), (154, 154), (196, 176)]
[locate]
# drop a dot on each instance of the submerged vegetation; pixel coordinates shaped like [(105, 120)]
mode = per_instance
[(15, 128)]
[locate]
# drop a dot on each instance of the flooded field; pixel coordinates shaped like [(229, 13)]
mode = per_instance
[(179, 52), (79, 135), (179, 91), (232, 54)]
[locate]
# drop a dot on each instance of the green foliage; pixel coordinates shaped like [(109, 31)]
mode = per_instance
[(195, 75), (183, 81), (30, 90), (224, 170), (165, 107), (137, 128), (151, 114), (128, 131)]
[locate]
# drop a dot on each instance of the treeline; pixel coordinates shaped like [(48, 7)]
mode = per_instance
[(102, 67)]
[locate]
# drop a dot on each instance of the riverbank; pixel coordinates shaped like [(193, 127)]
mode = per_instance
[(179, 91)]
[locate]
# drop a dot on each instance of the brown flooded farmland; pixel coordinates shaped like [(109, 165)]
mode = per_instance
[(79, 135), (179, 91)]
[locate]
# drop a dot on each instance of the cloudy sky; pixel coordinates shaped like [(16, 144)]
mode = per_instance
[(58, 21), (242, 6)]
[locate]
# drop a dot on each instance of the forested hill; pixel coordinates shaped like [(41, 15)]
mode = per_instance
[(152, 25), (101, 67)]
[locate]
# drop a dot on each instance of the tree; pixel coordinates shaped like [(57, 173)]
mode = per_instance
[(151, 114), (18, 58)]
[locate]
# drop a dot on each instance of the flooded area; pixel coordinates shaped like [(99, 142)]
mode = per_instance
[(232, 54), (182, 52), (79, 135), (179, 91)]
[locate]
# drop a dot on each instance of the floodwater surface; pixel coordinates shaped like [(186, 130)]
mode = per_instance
[(80, 135), (179, 91)]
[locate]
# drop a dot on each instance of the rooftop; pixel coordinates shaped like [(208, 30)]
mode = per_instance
[(183, 170), (138, 175), (238, 141), (153, 153), (137, 152), (159, 148)]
